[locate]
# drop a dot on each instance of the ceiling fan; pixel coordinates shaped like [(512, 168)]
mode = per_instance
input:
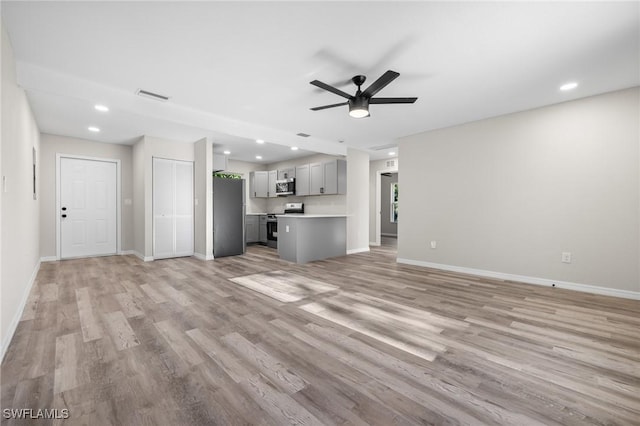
[(359, 103)]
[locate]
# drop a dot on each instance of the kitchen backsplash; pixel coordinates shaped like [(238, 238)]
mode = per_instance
[(319, 204)]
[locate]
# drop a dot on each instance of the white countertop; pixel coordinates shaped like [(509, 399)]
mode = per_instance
[(309, 216)]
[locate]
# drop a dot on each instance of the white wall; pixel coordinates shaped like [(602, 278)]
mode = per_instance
[(374, 190), (203, 188), (138, 172), (510, 194), (50, 145), (315, 204), (19, 223), (357, 201)]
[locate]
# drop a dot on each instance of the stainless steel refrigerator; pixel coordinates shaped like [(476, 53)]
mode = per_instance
[(228, 217)]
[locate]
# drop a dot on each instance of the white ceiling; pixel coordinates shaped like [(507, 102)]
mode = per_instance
[(238, 71)]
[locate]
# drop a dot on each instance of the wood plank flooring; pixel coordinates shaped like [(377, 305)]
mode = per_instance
[(354, 340)]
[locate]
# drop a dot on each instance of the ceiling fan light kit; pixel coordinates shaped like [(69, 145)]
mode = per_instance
[(359, 107), (359, 103)]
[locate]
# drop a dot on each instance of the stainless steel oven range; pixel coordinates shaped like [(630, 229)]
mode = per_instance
[(272, 222), (272, 230)]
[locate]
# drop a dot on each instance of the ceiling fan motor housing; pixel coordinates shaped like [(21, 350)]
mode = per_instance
[(359, 106)]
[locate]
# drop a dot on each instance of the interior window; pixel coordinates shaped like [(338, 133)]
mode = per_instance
[(394, 203)]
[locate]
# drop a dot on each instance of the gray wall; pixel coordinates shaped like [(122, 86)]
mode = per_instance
[(357, 201), (52, 145), (510, 194), (386, 226), (20, 251)]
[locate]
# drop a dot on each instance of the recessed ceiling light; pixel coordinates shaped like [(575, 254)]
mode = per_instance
[(93, 129), (102, 108), (569, 86), (392, 153), (258, 157), (294, 148), (227, 152), (260, 141)]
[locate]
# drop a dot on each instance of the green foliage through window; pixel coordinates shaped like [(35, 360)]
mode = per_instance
[(394, 203)]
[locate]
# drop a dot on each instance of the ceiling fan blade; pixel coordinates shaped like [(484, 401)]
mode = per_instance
[(329, 106), (330, 89), (380, 83), (392, 100)]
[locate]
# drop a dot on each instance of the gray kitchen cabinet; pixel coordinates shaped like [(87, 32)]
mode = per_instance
[(329, 177), (273, 177), (335, 177), (287, 173), (252, 228), (259, 184), (262, 231), (302, 180), (316, 179)]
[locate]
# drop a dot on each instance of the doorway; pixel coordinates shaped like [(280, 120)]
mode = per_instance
[(87, 207), (389, 205), (384, 211)]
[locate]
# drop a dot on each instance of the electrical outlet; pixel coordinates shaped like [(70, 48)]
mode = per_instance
[(433, 244), (566, 257), (287, 228)]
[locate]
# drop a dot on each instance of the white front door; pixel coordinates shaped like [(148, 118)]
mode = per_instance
[(88, 208)]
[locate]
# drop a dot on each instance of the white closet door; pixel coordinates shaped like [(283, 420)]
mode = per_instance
[(184, 208), (172, 208)]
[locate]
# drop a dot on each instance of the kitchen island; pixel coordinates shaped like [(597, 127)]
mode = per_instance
[(304, 238)]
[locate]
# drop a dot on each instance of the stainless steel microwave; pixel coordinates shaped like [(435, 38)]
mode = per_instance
[(286, 186)]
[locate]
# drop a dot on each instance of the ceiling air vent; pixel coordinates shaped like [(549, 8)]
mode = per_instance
[(391, 163), (151, 95), (303, 135)]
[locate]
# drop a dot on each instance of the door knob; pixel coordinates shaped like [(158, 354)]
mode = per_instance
[(64, 215), (64, 209)]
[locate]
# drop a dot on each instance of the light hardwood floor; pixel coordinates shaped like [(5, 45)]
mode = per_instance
[(352, 340)]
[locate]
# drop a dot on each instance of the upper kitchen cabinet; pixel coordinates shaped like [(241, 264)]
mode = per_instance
[(329, 177), (273, 177), (287, 173), (262, 184), (259, 184), (302, 180)]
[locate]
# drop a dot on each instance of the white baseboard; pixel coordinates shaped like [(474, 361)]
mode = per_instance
[(374, 244), (16, 318), (358, 250), (126, 252), (201, 256), (586, 288), (48, 259), (142, 257)]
